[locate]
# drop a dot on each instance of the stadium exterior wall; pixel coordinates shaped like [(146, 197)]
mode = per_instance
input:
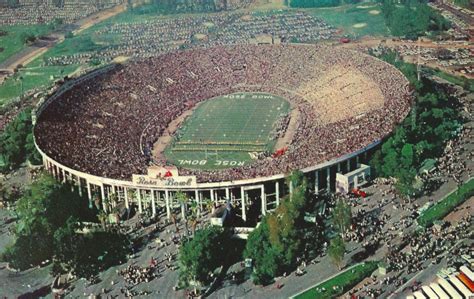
[(151, 197)]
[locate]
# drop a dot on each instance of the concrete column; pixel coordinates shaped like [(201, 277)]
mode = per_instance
[(316, 182), (277, 193), (125, 193), (79, 185), (212, 195), (328, 179), (153, 206), (227, 193), (339, 167), (348, 165), (357, 160), (242, 197), (291, 187), (167, 201), (64, 176), (89, 192), (139, 197), (198, 202), (113, 192), (102, 193), (70, 180), (55, 172), (264, 201)]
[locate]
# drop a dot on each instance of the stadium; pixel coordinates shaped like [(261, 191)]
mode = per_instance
[(221, 123)]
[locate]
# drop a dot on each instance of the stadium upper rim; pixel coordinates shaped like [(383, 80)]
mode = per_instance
[(347, 102)]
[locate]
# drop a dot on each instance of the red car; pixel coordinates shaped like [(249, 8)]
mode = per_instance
[(359, 193)]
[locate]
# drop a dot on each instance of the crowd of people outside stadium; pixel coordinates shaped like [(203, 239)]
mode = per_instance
[(32, 12), (413, 254), (102, 126), (160, 35)]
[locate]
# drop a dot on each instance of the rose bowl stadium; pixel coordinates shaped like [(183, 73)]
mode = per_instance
[(221, 123)]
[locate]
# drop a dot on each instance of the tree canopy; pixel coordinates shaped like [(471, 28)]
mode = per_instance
[(342, 216), (412, 18), (44, 209), (336, 251), (281, 236), (16, 142), (433, 120), (202, 254)]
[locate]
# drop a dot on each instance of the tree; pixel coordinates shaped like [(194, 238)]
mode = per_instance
[(342, 216), (85, 255), (27, 37), (265, 258), (183, 200), (194, 217), (16, 142), (336, 251), (413, 19), (201, 255), (276, 243), (66, 244), (42, 210), (434, 120)]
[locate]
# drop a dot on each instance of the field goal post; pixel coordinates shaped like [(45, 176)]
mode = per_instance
[(211, 153)]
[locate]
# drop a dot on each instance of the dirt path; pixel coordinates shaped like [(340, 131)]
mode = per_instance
[(290, 131), (390, 43), (167, 135), (269, 4)]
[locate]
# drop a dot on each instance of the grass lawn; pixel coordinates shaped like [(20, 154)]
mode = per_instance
[(446, 205), (343, 281), (354, 20), (33, 77), (467, 84), (12, 42), (227, 128)]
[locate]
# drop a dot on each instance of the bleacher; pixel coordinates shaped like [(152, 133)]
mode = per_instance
[(450, 284)]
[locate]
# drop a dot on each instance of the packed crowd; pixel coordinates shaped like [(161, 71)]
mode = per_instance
[(101, 126), (30, 12), (157, 35)]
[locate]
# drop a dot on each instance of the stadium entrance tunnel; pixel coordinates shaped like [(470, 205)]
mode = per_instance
[(227, 131)]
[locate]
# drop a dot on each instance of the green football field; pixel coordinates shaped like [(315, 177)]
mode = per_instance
[(227, 131)]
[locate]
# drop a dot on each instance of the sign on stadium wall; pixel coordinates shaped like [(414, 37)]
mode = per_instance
[(165, 182)]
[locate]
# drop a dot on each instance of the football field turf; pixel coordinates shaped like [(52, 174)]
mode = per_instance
[(227, 131)]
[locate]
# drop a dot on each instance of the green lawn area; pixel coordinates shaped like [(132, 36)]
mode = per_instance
[(467, 84), (227, 128), (12, 42), (33, 77), (343, 282), (446, 205), (354, 20)]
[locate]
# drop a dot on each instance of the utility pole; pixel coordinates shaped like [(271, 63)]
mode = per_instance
[(418, 66)]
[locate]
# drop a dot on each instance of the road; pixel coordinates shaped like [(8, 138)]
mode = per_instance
[(370, 42)]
